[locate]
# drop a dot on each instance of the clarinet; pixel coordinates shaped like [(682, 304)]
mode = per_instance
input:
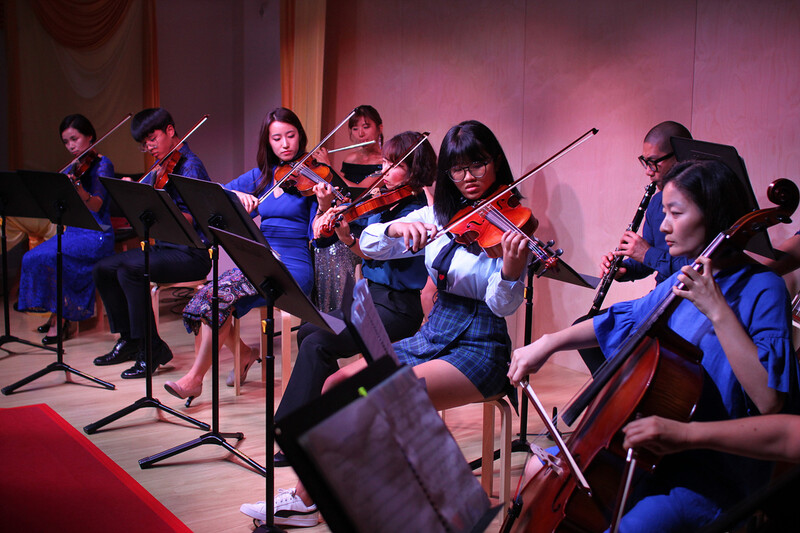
[(605, 283)]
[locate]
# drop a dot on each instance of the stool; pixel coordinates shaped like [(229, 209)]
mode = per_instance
[(286, 350), (157, 288), (488, 446)]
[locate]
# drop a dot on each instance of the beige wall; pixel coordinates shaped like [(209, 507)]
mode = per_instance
[(540, 74)]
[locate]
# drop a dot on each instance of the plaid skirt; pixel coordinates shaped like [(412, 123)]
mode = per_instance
[(465, 333)]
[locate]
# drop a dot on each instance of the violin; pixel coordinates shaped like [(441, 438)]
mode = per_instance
[(368, 207), (82, 165), (654, 372), (306, 172), (304, 176), (167, 165), (487, 224)]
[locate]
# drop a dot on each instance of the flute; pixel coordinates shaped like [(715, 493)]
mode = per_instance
[(343, 148)]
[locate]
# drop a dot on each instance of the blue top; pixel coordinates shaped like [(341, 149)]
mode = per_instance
[(91, 182), (657, 258), (759, 299), (407, 273), (190, 166), (286, 222)]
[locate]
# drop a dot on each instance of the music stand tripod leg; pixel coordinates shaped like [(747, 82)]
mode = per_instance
[(148, 400), (268, 329), (214, 436), (59, 363)]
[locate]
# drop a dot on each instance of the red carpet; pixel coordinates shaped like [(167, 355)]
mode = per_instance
[(52, 478)]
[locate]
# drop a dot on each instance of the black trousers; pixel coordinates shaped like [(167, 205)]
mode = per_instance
[(126, 295), (319, 350)]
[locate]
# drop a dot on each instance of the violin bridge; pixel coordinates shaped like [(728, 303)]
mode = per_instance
[(547, 459)]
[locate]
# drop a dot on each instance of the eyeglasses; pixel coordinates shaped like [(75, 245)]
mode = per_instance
[(477, 169), (652, 164), (152, 141)]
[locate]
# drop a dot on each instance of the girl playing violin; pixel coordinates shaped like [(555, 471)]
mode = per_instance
[(336, 264), (736, 312), (463, 349), (394, 284), (120, 278), (81, 248), (285, 222)]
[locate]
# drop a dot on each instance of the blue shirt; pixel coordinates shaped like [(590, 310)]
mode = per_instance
[(759, 299), (91, 183), (472, 276), (406, 273), (190, 166), (657, 258)]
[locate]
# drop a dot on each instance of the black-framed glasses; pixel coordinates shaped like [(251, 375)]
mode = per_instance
[(476, 168), (652, 164)]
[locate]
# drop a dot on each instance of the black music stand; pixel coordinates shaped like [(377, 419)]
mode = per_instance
[(15, 200), (151, 212), (274, 282), (693, 149), (59, 200), (212, 206)]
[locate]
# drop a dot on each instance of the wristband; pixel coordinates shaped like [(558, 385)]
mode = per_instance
[(352, 243)]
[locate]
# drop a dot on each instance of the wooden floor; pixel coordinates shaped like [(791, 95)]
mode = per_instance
[(204, 487)]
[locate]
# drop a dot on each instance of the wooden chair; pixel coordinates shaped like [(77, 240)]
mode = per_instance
[(157, 288), (286, 349), (488, 446)]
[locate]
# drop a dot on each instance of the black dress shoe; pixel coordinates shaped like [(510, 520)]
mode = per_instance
[(161, 356), (279, 460), (44, 328), (53, 339), (122, 351)]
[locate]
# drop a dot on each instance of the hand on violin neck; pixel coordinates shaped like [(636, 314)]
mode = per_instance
[(515, 255), (325, 196)]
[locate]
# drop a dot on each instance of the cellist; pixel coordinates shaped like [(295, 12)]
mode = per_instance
[(737, 312), (120, 278)]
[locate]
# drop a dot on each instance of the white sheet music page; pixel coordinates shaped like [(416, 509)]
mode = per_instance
[(366, 320)]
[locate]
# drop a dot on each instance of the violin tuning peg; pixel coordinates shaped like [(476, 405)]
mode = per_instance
[(559, 251), (550, 243)]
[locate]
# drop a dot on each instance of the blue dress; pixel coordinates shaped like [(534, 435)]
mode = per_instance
[(81, 249), (286, 224), (692, 488)]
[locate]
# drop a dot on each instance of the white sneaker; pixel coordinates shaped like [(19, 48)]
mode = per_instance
[(289, 510)]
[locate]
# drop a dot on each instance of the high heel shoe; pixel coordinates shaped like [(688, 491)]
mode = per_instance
[(65, 334), (231, 376), (176, 390), (44, 328)]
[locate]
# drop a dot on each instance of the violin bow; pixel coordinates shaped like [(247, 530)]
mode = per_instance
[(552, 159), (308, 155), (98, 141), (160, 161), (383, 174)]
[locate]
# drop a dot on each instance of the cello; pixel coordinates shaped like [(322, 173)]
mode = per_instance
[(655, 371)]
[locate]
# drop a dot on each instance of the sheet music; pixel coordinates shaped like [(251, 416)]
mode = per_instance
[(394, 465), (366, 320)]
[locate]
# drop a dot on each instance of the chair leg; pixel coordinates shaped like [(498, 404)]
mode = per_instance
[(286, 349), (237, 353), (487, 449)]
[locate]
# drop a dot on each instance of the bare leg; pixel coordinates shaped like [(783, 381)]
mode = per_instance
[(202, 361)]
